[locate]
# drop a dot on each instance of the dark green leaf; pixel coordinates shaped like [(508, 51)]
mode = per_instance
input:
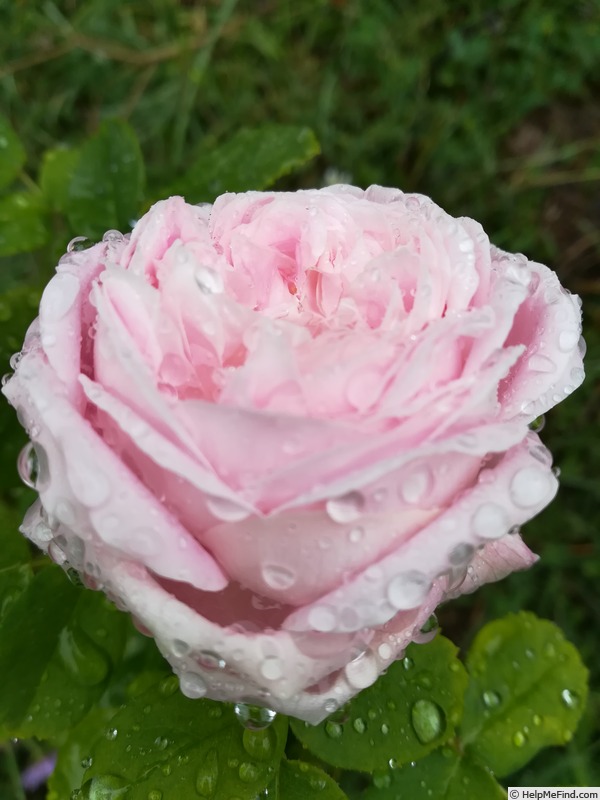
[(12, 153), (442, 775), (298, 781), (56, 174), (408, 712), (528, 690), (107, 183), (22, 223), (15, 572), (57, 647), (162, 742), (254, 158)]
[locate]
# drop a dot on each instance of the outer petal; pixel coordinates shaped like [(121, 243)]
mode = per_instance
[(508, 494)]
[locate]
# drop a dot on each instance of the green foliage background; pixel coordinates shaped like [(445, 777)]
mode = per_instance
[(491, 108)]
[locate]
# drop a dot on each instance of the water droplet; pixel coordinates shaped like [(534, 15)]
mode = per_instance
[(385, 651), (540, 363), (79, 243), (416, 485), (258, 744), (569, 698), (490, 521), (385, 729), (529, 487), (359, 725), (74, 577), (461, 554), (180, 648), (345, 508), (491, 699), (113, 237), (104, 787), (356, 534), (333, 730), (208, 280), (549, 650), (86, 763), (568, 340), (407, 663), (192, 685), (408, 590), (362, 671), (211, 660), (537, 426), (271, 668), (155, 794), (249, 773), (254, 718), (208, 774), (392, 763), (428, 721), (519, 739), (537, 720), (111, 734), (226, 510), (382, 781), (28, 465), (330, 705), (322, 618), (276, 576)]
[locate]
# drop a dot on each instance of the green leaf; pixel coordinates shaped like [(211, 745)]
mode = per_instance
[(57, 647), (107, 183), (408, 712), (254, 158), (73, 753), (15, 571), (528, 690), (298, 780), (443, 775), (162, 742), (22, 223), (12, 153), (56, 173)]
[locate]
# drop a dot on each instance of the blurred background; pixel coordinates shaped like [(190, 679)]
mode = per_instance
[(492, 108)]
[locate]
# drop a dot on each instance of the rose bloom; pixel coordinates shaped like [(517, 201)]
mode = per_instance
[(281, 429)]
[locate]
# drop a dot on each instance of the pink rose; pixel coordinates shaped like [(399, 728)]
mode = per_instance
[(282, 429)]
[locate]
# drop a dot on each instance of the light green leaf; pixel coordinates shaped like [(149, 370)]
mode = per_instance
[(408, 712), (56, 174), (22, 223), (107, 182), (442, 775), (528, 690), (12, 153), (57, 647), (253, 159), (163, 743)]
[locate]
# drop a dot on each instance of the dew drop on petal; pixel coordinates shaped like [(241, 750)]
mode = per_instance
[(529, 487), (568, 340), (322, 618), (255, 718), (540, 363), (408, 590), (461, 554), (490, 521), (226, 510), (271, 668), (416, 485), (276, 576), (346, 507), (192, 685), (27, 465), (362, 671)]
